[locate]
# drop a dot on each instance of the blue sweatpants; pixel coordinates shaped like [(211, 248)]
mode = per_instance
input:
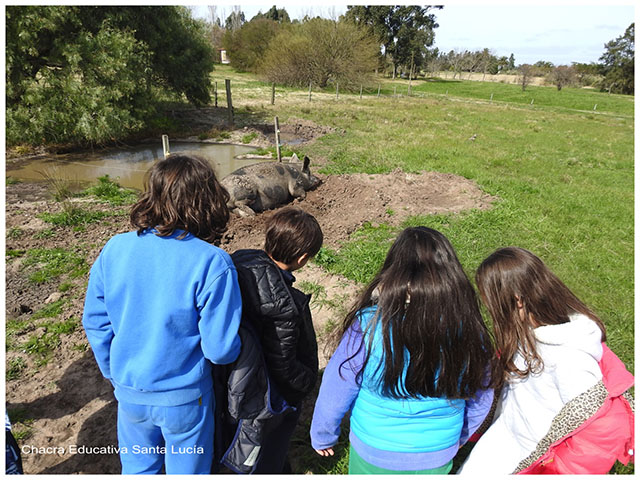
[(180, 436)]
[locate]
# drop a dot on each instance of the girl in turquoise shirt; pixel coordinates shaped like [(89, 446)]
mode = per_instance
[(413, 365)]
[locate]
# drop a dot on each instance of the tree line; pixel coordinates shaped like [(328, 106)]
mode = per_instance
[(319, 51)]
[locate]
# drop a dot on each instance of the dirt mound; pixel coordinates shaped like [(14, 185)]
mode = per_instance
[(342, 203)]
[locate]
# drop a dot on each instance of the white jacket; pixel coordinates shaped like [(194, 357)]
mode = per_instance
[(570, 352)]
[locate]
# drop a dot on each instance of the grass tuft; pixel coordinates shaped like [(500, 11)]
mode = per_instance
[(51, 263), (111, 192)]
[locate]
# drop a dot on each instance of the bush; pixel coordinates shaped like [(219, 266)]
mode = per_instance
[(247, 45), (321, 51)]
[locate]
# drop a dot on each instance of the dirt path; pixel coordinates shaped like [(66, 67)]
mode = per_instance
[(61, 400)]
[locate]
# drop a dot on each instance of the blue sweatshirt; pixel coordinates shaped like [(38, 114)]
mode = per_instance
[(396, 434), (157, 308)]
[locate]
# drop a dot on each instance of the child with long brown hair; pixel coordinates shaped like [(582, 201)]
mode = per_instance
[(557, 373), (161, 304), (413, 364)]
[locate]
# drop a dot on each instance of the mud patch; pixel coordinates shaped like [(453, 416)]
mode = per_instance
[(293, 131)]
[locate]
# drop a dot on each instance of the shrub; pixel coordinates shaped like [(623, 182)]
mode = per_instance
[(321, 51)]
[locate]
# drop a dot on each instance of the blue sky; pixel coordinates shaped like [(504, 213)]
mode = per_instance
[(559, 32)]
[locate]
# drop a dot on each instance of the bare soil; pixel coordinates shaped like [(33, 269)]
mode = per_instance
[(64, 401)]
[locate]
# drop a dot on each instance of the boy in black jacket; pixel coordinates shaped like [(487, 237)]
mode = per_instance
[(281, 317)]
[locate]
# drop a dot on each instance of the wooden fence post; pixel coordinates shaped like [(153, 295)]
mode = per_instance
[(273, 93), (336, 90), (165, 145), (360, 92), (378, 90), (309, 91), (277, 129), (215, 94), (410, 76), (227, 84)]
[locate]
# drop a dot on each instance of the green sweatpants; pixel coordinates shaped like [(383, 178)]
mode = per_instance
[(358, 466)]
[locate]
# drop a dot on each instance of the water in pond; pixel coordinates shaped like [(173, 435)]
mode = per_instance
[(126, 166)]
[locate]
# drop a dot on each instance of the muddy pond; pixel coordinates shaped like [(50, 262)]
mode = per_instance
[(127, 166)]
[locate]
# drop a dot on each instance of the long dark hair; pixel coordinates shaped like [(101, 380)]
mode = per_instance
[(427, 308), (513, 280), (182, 192)]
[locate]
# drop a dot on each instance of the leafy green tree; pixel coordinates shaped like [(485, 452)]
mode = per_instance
[(618, 62), (320, 51), (279, 15), (235, 20), (544, 66), (92, 74), (588, 74), (247, 45), (86, 90), (404, 31), (502, 64)]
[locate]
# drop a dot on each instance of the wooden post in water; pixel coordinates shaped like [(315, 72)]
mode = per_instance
[(227, 84), (277, 128), (273, 93), (165, 145)]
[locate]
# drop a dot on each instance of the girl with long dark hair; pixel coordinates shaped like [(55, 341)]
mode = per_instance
[(413, 364)]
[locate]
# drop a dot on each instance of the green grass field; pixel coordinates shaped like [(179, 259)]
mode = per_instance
[(563, 174)]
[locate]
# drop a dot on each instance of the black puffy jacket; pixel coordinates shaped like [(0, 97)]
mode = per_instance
[(281, 317), (247, 406)]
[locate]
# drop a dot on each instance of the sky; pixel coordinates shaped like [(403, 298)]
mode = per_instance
[(558, 32)]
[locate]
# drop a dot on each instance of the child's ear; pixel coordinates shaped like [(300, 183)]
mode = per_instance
[(303, 259), (519, 302)]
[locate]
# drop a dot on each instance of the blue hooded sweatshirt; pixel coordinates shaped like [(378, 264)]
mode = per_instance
[(157, 309)]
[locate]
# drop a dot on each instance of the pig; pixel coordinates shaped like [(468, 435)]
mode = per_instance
[(263, 186)]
